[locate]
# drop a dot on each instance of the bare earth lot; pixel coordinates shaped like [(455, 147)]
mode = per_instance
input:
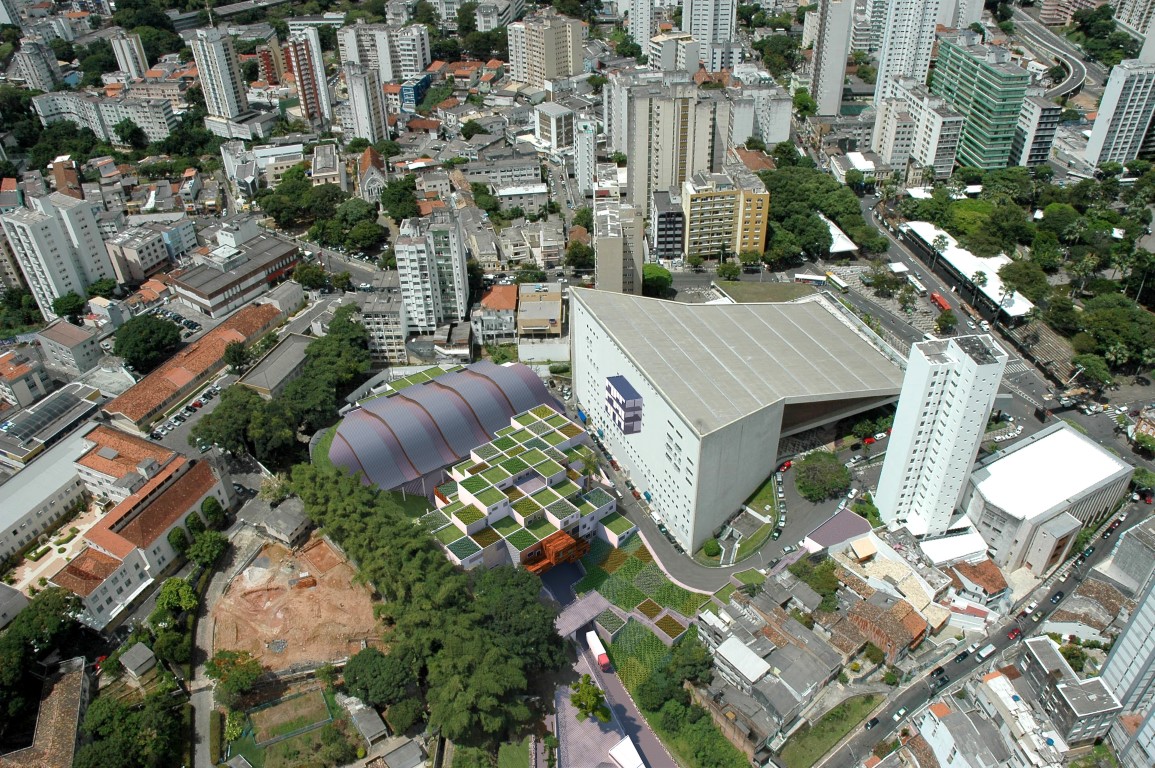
[(296, 607)]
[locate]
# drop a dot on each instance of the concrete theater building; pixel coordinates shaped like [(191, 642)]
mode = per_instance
[(693, 399)]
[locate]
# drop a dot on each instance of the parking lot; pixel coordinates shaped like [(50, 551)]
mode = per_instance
[(177, 437)]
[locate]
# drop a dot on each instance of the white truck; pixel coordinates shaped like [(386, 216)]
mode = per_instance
[(985, 653)]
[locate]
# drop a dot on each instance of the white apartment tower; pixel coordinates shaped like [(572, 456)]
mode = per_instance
[(1135, 14), (58, 246), (545, 47), (830, 53), (946, 399), (907, 40), (1124, 120), (585, 154), (1035, 132), (36, 64), (918, 128), (618, 239), (713, 23), (129, 52), (8, 13), (366, 102), (1129, 673), (431, 265), (642, 22), (220, 73), (397, 53)]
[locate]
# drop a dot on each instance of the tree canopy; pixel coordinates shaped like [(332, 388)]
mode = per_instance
[(235, 673), (820, 475), (475, 642), (146, 341), (656, 280)]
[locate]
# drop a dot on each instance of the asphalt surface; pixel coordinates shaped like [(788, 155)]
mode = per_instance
[(919, 691), (1080, 71), (628, 716)]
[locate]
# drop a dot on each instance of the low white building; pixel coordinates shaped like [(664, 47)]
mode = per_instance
[(1030, 500)]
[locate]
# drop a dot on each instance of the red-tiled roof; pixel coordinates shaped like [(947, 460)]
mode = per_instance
[(495, 63), (117, 453), (199, 358), (985, 574), (426, 207), (86, 572), (14, 366), (102, 534), (54, 741), (371, 158), (174, 502), (500, 297)]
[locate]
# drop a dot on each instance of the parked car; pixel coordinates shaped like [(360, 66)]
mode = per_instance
[(785, 466), (880, 436), (1088, 551), (869, 441), (777, 534), (937, 671), (942, 682), (961, 656), (1057, 597), (1015, 634), (788, 549), (871, 723), (901, 713)]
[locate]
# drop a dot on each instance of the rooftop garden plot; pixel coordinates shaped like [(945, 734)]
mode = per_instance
[(549, 468), (485, 537), (521, 539), (567, 489), (464, 547), (491, 497), (505, 526), (475, 484), (504, 443), (545, 497), (449, 534), (487, 452), (469, 515), (533, 457), (561, 509), (543, 412), (598, 497), (514, 466), (495, 475), (671, 626), (609, 621), (557, 421), (434, 521), (526, 507), (539, 428), (616, 523), (541, 528), (650, 609)]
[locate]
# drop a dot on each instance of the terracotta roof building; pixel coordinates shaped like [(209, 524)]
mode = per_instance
[(982, 582), (189, 368), (22, 379), (119, 463), (890, 623), (128, 551), (62, 703)]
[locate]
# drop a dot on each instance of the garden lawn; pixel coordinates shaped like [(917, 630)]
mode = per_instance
[(807, 746), (414, 506), (765, 496), (751, 576), (751, 545), (513, 755)]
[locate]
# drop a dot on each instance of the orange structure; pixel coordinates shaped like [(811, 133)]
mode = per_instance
[(558, 548)]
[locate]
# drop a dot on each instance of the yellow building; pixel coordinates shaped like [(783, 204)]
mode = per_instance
[(724, 215)]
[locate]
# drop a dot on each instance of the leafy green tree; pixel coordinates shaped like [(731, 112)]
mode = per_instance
[(472, 128), (214, 513), (228, 424), (405, 714), (235, 672), (195, 525), (207, 548), (584, 217), (619, 159), (728, 270), (131, 134), (146, 737), (44, 625), (310, 276), (236, 355), (365, 235), (579, 255), (804, 104), (146, 341), (69, 305), (589, 700), (656, 281), (711, 547), (946, 322), (173, 646), (398, 198), (105, 288), (176, 596), (178, 540), (380, 680), (1095, 370), (690, 661), (820, 475)]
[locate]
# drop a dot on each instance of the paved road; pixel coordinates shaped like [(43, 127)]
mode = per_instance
[(628, 716), (1080, 69), (919, 691)]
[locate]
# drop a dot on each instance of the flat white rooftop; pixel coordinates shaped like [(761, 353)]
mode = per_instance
[(718, 363), (1045, 470)]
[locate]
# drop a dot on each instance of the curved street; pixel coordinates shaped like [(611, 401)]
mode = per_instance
[(1079, 72)]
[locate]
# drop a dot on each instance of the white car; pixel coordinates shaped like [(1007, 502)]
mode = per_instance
[(880, 436), (901, 713), (971, 324)]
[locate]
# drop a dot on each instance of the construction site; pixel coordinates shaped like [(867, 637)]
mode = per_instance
[(295, 608)]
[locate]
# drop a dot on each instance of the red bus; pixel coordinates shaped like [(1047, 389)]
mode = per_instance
[(939, 302)]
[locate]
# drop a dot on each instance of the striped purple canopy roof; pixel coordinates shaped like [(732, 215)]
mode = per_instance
[(426, 427)]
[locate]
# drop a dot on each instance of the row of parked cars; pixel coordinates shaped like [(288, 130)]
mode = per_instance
[(168, 314), (180, 417)]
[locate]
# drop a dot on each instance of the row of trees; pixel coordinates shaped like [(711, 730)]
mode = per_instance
[(468, 647), (243, 422), (353, 226), (295, 202)]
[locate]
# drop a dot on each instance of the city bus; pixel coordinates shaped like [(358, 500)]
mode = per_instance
[(802, 277), (837, 282), (939, 301), (914, 283)]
